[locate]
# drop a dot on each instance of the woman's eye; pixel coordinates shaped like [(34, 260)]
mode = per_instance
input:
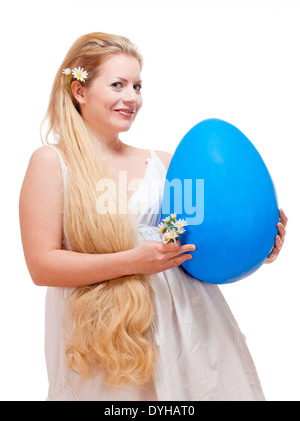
[(118, 85)]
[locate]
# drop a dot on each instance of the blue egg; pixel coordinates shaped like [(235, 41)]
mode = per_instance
[(218, 182)]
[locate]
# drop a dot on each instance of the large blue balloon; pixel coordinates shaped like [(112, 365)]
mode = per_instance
[(219, 183)]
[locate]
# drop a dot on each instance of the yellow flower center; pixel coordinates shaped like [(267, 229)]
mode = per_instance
[(79, 75)]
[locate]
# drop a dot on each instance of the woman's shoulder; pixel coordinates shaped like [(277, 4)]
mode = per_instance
[(45, 152), (49, 153), (45, 159)]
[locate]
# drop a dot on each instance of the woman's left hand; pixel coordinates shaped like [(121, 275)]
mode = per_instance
[(279, 239)]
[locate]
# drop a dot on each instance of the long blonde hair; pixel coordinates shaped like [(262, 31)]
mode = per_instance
[(107, 321)]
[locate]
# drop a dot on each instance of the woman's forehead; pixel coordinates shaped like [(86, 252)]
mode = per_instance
[(120, 65)]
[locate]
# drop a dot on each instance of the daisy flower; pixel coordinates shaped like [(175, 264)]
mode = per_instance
[(165, 237), (67, 71), (79, 74), (179, 225), (162, 228), (173, 234), (173, 217)]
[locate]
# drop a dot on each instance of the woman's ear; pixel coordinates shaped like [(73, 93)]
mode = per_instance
[(78, 91)]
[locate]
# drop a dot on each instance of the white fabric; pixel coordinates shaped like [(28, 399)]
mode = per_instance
[(201, 353)]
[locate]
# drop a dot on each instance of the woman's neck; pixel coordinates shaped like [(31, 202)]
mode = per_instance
[(111, 146)]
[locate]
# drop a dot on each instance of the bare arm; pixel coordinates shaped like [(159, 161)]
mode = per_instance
[(41, 221)]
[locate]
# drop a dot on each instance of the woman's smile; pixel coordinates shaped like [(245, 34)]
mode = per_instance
[(128, 113)]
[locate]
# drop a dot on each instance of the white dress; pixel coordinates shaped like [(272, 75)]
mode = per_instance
[(201, 355)]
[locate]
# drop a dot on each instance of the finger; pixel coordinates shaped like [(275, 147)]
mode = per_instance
[(281, 230), (278, 243), (171, 247), (178, 260), (276, 249), (183, 249), (283, 217), (271, 258), (187, 247)]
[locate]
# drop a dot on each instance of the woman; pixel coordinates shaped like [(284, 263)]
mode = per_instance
[(119, 324)]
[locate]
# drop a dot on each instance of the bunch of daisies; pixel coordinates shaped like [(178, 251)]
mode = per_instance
[(170, 228)]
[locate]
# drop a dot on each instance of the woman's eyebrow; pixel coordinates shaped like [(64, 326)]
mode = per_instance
[(125, 80)]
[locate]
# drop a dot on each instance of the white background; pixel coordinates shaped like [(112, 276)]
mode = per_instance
[(234, 60)]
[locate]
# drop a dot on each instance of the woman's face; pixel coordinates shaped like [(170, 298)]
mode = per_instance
[(111, 103)]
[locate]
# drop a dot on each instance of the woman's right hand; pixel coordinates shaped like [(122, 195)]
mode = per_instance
[(154, 257)]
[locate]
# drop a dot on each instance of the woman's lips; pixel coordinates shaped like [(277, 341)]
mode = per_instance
[(126, 113)]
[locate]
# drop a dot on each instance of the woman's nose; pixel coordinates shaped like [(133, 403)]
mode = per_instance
[(130, 95)]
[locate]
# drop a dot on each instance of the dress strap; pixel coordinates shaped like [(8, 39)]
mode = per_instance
[(62, 162), (153, 154), (156, 158)]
